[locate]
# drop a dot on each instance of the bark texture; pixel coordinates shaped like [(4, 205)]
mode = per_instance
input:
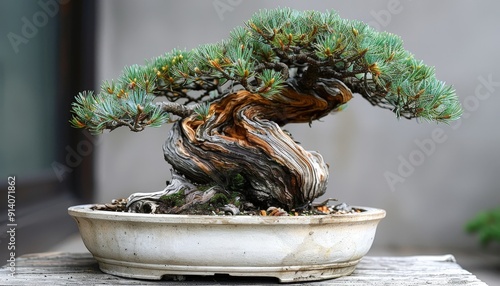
[(241, 142)]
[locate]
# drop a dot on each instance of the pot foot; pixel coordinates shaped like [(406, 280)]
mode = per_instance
[(285, 274)]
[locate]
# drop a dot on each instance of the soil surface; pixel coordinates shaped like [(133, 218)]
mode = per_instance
[(242, 208)]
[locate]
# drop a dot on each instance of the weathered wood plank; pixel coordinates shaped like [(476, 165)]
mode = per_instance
[(82, 269)]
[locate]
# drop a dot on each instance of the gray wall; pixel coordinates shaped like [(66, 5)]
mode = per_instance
[(441, 174)]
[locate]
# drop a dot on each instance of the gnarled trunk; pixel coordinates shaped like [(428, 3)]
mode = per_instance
[(241, 139)]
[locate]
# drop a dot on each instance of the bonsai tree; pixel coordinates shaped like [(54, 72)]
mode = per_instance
[(229, 102)]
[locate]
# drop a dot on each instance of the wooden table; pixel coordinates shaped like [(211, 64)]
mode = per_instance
[(82, 269)]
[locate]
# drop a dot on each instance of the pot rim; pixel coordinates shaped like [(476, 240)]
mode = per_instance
[(85, 211)]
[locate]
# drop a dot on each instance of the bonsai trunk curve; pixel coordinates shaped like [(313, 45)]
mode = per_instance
[(242, 138)]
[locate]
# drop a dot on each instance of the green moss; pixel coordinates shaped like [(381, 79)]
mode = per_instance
[(219, 199), (177, 199), (236, 199), (237, 183)]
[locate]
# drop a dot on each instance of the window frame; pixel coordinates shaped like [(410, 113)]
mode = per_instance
[(42, 199)]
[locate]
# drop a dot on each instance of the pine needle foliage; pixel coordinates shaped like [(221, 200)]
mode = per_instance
[(272, 49)]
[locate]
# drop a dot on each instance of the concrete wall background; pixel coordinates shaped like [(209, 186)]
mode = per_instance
[(455, 174)]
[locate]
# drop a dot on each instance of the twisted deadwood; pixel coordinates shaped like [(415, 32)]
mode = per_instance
[(242, 137)]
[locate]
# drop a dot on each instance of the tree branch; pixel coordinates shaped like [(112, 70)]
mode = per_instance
[(178, 109)]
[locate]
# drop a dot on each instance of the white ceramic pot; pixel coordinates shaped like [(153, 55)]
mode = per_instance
[(291, 248)]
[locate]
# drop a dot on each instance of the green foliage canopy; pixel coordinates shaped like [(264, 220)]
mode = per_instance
[(273, 48)]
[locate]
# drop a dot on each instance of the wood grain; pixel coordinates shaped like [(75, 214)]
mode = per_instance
[(82, 269), (242, 136)]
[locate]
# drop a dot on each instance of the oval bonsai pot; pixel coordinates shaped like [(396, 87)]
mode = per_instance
[(290, 248)]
